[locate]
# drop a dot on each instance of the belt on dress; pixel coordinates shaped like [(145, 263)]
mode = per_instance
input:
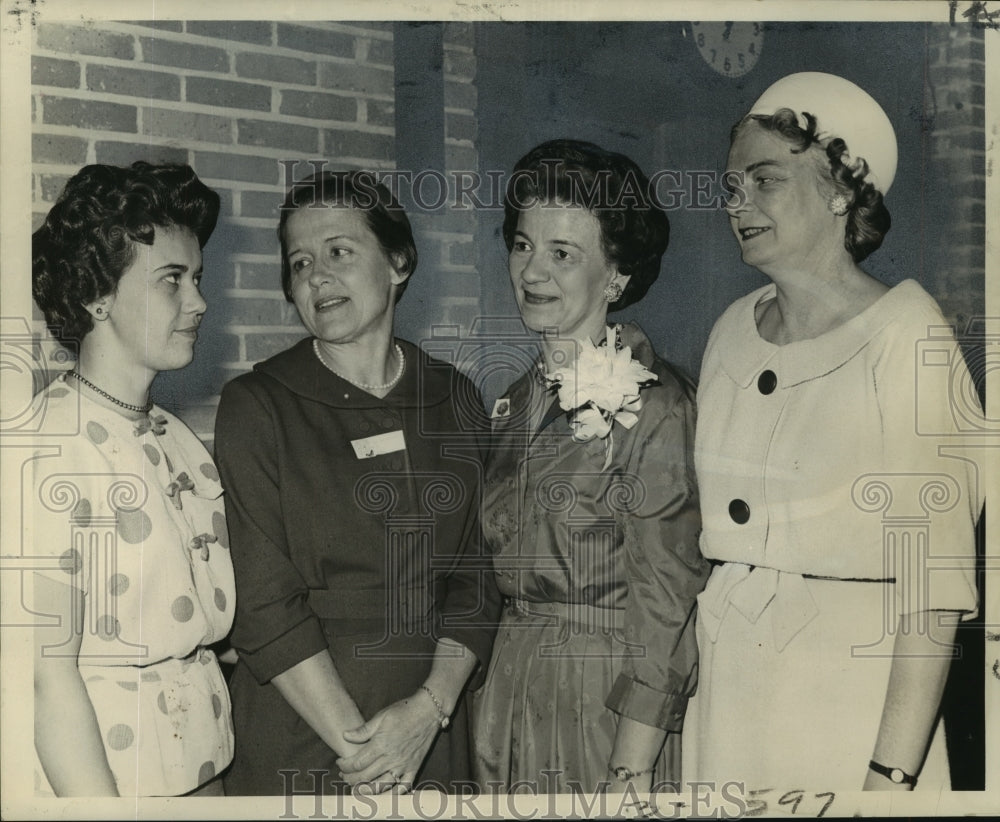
[(752, 589), (575, 613)]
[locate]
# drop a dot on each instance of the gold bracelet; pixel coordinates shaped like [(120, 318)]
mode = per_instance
[(443, 719)]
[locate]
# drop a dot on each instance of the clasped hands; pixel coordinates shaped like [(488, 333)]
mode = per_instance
[(393, 745)]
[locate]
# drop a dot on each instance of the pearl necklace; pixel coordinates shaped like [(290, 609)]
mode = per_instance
[(137, 409), (366, 386)]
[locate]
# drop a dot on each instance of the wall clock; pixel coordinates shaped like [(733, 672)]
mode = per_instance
[(731, 48)]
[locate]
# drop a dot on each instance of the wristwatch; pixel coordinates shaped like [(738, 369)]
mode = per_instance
[(897, 775), (624, 774)]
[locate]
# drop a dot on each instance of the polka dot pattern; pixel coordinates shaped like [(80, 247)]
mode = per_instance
[(206, 772), (220, 599), (120, 737), (151, 453), (182, 609), (209, 471), (108, 628), (118, 585), (150, 676), (71, 562), (161, 703), (128, 686), (219, 529), (169, 464), (96, 432), (82, 512), (134, 526), (55, 393), (216, 705)]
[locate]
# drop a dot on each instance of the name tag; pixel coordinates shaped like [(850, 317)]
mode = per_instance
[(380, 444)]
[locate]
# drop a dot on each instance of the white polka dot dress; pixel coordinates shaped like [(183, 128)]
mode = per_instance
[(130, 515)]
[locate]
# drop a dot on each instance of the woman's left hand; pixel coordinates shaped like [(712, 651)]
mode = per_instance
[(394, 744)]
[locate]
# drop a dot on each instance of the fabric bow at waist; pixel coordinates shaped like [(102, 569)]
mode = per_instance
[(752, 590), (784, 595)]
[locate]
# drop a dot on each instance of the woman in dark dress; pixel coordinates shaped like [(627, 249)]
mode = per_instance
[(353, 494)]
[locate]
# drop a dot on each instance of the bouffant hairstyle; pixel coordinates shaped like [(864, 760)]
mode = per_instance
[(88, 239), (868, 219), (634, 230), (361, 191)]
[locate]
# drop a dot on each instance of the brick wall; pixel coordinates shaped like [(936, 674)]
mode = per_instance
[(955, 117), (233, 99)]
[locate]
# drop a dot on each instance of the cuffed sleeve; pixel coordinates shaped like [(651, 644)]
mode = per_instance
[(274, 628), (470, 611), (665, 570)]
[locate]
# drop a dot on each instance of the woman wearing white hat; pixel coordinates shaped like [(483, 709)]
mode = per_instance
[(843, 533)]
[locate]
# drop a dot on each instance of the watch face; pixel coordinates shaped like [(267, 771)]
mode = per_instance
[(897, 776), (622, 774), (731, 48)]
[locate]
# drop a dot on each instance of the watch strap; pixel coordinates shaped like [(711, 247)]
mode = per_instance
[(897, 775), (623, 774)]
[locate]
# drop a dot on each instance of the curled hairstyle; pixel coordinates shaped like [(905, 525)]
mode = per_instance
[(359, 190), (88, 239), (634, 231), (868, 219)]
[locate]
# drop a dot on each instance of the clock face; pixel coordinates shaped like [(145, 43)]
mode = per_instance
[(730, 48)]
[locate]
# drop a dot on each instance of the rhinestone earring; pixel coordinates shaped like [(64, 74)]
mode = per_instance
[(612, 292), (838, 204)]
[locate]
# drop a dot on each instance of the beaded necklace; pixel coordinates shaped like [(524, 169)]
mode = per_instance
[(137, 409)]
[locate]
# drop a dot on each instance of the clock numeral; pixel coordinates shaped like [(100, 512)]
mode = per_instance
[(756, 29), (701, 39), (713, 55), (743, 62), (753, 47), (727, 66)]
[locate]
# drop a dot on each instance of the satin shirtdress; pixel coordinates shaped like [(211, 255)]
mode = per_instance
[(163, 593), (839, 489), (368, 558), (600, 569)]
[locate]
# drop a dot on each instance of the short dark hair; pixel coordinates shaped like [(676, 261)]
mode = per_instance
[(361, 191), (634, 230), (88, 239), (868, 219)]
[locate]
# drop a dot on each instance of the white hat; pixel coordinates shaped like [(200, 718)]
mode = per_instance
[(842, 110)]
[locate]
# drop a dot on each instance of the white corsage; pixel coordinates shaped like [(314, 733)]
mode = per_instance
[(601, 387)]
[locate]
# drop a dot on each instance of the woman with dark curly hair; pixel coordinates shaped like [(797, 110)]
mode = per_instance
[(591, 510), (128, 522), (827, 500)]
